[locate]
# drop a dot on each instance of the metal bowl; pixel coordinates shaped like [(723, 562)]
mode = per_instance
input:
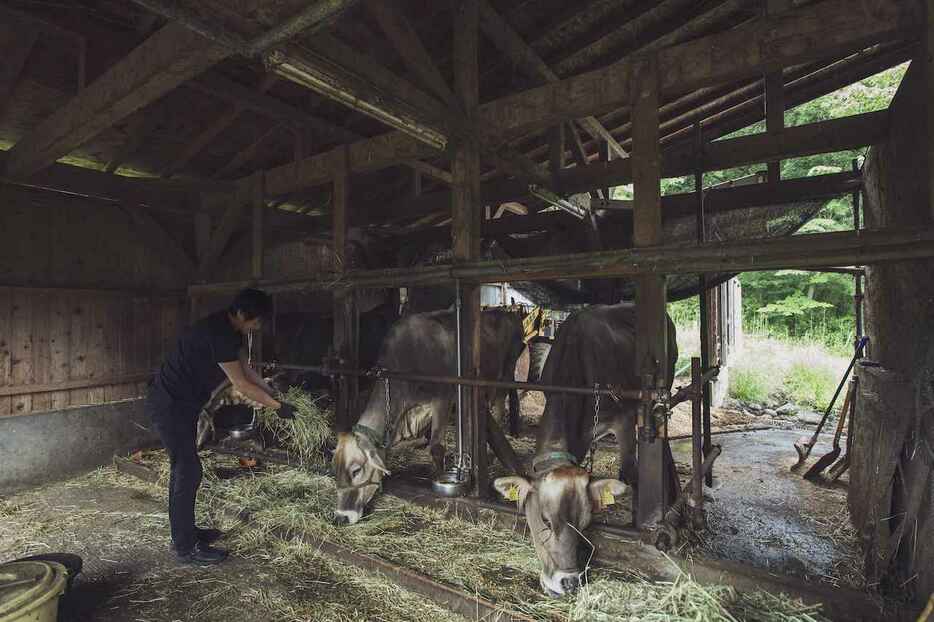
[(452, 483), (241, 432)]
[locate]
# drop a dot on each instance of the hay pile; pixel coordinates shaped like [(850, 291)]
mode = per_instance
[(306, 436), (478, 558)]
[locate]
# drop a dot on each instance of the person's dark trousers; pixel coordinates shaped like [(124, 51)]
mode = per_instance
[(177, 427)]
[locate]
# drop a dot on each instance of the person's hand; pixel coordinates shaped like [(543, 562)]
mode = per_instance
[(286, 411)]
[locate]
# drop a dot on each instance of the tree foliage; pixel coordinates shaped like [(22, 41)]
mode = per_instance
[(794, 303)]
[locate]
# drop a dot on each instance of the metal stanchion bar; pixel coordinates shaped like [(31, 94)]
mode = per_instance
[(608, 390)]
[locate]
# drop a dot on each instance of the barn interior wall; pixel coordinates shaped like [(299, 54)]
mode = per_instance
[(891, 494), (86, 308)]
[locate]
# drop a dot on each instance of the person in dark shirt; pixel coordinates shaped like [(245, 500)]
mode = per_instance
[(206, 353)]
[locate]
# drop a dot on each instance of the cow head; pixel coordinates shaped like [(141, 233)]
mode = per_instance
[(558, 507), (358, 471)]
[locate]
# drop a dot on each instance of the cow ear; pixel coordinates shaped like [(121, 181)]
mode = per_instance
[(513, 488), (603, 492)]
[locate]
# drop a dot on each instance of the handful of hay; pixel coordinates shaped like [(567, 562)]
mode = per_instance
[(306, 436)]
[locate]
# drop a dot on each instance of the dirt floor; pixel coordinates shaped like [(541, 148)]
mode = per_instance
[(121, 531)]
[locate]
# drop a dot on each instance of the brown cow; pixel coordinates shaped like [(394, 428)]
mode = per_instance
[(596, 345)]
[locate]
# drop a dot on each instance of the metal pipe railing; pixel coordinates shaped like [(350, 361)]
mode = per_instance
[(612, 391)]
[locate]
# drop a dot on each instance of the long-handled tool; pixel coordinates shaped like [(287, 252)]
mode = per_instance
[(830, 457), (843, 464), (804, 446)]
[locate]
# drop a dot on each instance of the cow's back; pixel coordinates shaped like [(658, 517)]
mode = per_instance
[(595, 345)]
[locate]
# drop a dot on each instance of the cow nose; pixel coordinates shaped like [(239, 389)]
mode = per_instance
[(340, 519), (570, 584)]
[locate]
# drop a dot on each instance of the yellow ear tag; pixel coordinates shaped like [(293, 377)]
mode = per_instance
[(607, 498), (512, 494)]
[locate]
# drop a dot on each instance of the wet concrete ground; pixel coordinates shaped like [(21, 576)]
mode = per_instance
[(761, 513)]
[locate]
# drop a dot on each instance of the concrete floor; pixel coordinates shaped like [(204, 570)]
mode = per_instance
[(761, 513)]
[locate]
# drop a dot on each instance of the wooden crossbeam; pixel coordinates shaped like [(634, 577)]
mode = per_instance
[(816, 250), (160, 241), (516, 49), (823, 137), (228, 224), (166, 59), (813, 32), (134, 190)]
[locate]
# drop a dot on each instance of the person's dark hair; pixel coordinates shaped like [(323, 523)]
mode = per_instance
[(253, 303)]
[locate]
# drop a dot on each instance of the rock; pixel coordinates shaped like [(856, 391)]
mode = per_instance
[(755, 413), (757, 408), (809, 417), (787, 409), (768, 412)]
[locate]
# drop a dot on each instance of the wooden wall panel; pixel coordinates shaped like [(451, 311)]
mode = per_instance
[(87, 310), (61, 348)]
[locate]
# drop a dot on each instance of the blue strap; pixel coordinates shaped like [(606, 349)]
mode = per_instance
[(552, 460)]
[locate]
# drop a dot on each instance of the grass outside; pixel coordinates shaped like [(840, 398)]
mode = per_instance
[(775, 371)]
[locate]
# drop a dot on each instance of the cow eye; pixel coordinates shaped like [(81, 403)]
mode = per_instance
[(355, 471), (547, 522)]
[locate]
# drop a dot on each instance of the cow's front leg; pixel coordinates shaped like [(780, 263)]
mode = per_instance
[(499, 406), (439, 423)]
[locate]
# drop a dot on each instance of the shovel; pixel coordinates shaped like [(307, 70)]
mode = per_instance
[(804, 446), (829, 458)]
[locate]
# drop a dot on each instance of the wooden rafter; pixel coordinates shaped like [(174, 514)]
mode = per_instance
[(820, 30), (138, 133), (514, 47), (267, 105), (168, 58), (212, 131), (409, 46), (823, 137), (245, 155), (164, 244)]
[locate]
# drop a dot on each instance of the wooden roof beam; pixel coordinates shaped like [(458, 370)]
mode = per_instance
[(267, 105), (516, 49), (823, 137), (817, 31), (159, 64), (813, 32), (244, 156), (407, 43), (200, 142)]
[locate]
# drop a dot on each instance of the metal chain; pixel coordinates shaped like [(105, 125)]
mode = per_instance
[(388, 440), (596, 422)]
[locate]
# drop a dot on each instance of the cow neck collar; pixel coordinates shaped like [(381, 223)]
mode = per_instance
[(549, 461), (372, 435)]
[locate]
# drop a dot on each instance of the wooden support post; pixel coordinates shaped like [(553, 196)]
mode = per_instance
[(702, 296), (556, 155), (465, 229), (82, 63), (929, 91), (346, 319), (258, 202), (774, 85), (605, 155), (651, 325)]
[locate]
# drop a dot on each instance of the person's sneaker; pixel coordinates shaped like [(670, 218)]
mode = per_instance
[(203, 555), (208, 536)]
